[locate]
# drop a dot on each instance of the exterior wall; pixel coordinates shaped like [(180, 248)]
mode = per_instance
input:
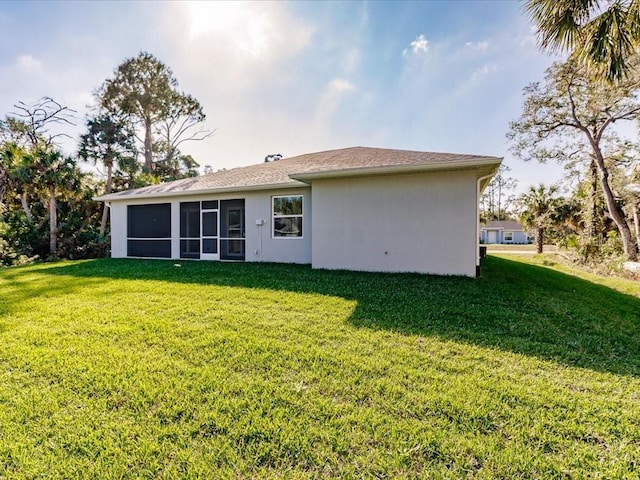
[(520, 237), (422, 222), (259, 243), (118, 214)]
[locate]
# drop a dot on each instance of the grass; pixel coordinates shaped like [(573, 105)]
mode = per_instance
[(147, 369)]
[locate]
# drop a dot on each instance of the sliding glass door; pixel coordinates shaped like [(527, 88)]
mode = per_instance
[(232, 229)]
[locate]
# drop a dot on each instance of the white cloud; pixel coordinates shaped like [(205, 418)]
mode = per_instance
[(351, 60), (335, 93), (341, 85), (253, 28), (479, 46), (417, 46), (484, 70), (28, 62)]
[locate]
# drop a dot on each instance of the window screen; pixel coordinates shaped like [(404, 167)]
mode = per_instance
[(149, 221), (149, 248), (190, 220)]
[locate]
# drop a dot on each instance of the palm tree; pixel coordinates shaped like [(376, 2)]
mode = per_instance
[(602, 34), (108, 140), (537, 210), (51, 172), (11, 158)]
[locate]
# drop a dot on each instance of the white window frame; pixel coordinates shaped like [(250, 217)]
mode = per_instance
[(505, 239), (273, 217)]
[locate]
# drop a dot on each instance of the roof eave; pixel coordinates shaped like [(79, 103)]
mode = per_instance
[(396, 169), (114, 197)]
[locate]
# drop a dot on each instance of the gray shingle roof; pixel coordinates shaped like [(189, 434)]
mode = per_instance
[(278, 173), (505, 224)]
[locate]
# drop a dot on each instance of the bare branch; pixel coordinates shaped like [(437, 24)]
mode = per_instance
[(37, 118)]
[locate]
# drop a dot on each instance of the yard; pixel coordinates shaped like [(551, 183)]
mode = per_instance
[(156, 369)]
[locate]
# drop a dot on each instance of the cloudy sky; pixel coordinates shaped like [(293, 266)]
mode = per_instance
[(294, 78)]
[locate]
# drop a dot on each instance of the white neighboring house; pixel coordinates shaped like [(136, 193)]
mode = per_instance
[(356, 208), (504, 231)]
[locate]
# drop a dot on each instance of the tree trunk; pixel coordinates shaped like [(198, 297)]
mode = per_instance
[(499, 201), (539, 240), (25, 206), (616, 213), (53, 221), (636, 221), (592, 228), (107, 190), (148, 160), (3, 183)]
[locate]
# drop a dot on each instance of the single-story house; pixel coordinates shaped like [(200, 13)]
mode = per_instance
[(356, 208), (504, 231)]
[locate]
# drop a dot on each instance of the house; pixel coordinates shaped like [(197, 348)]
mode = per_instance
[(356, 208), (504, 231)]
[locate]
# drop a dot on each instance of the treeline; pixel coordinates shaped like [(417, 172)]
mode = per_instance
[(584, 115), (133, 137), (589, 125)]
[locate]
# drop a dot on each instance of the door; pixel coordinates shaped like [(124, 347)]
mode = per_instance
[(209, 213), (232, 230)]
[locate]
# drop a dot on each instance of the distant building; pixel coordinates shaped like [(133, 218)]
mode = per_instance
[(504, 231)]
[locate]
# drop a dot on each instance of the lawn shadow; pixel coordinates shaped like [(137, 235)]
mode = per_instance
[(514, 306), (24, 285)]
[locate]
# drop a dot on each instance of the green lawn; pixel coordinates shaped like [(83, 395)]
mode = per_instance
[(153, 369)]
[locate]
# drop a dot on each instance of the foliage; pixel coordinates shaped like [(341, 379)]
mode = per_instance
[(145, 369), (570, 117), (144, 92), (498, 197), (111, 142), (44, 193), (539, 209), (46, 202), (30, 127), (602, 38)]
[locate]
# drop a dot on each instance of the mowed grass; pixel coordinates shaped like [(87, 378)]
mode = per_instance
[(147, 369)]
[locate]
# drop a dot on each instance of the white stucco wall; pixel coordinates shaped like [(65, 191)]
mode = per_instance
[(421, 222), (259, 244), (284, 250), (118, 217)]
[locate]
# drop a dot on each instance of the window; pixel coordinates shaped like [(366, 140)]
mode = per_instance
[(287, 216), (149, 230), (508, 236), (149, 221)]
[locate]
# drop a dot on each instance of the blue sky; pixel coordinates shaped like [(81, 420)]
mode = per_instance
[(293, 78)]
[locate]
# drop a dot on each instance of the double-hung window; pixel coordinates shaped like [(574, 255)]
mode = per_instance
[(287, 216)]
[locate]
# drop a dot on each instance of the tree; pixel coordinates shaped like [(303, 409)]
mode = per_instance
[(537, 211), (50, 172), (144, 91), (572, 116), (30, 125), (26, 131), (111, 142), (497, 197), (601, 35)]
